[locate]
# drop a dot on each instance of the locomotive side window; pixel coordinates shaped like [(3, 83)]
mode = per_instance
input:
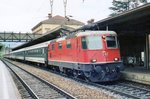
[(111, 42), (53, 46), (68, 44), (59, 45), (92, 42)]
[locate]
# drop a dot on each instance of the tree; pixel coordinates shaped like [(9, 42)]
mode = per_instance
[(143, 1), (118, 7)]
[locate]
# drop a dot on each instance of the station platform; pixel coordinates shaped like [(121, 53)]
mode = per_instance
[(137, 74), (8, 89)]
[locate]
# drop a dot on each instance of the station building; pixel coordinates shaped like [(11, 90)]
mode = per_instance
[(55, 22)]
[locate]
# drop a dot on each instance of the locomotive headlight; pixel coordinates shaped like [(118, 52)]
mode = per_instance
[(93, 60), (116, 59), (103, 37)]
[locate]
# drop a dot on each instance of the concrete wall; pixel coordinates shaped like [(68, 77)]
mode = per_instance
[(43, 28), (38, 30), (74, 26), (48, 27)]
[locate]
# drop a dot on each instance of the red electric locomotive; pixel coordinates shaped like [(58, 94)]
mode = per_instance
[(94, 55)]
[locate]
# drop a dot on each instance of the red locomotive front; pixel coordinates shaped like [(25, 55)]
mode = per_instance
[(94, 55)]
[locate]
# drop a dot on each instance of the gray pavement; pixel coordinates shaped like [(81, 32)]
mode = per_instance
[(8, 89)]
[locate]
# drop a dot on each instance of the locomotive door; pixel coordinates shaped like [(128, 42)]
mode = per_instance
[(78, 49), (46, 55), (49, 51)]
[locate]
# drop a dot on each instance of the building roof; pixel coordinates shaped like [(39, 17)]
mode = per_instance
[(60, 21)]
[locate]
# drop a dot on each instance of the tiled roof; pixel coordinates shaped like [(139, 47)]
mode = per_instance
[(59, 20)]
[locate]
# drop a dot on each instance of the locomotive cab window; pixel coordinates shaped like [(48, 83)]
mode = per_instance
[(92, 42), (111, 41)]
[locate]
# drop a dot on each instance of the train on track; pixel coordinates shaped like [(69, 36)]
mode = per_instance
[(93, 55)]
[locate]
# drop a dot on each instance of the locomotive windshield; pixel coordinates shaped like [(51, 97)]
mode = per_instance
[(92, 42), (111, 42)]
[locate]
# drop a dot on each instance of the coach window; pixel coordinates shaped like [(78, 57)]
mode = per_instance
[(41, 51), (68, 44), (59, 45), (53, 46)]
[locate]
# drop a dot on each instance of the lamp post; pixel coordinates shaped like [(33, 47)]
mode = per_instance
[(65, 6), (68, 17), (51, 4)]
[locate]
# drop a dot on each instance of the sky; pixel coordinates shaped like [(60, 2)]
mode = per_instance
[(23, 15)]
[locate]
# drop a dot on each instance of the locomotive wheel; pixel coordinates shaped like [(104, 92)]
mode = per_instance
[(75, 74), (78, 74), (97, 76), (94, 76), (67, 71)]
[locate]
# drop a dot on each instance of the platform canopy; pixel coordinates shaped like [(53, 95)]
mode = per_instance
[(53, 34), (135, 21)]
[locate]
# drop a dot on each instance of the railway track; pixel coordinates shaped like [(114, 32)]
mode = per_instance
[(38, 88), (123, 90), (139, 90), (128, 90)]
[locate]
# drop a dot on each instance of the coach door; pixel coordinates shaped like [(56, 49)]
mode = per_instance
[(51, 48)]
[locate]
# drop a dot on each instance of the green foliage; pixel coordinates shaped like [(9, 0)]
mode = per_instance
[(144, 1), (113, 14), (118, 7)]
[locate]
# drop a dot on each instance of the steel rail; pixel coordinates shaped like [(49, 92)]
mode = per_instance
[(144, 89), (64, 93)]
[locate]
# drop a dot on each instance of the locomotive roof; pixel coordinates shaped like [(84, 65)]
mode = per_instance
[(84, 33), (95, 32)]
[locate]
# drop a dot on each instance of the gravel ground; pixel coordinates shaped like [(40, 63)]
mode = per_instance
[(79, 90)]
